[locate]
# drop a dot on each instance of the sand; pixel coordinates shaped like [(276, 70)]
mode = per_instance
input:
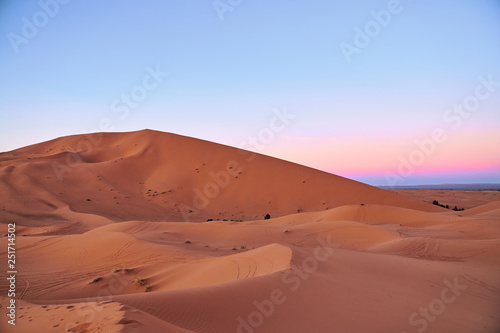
[(120, 242), (461, 199)]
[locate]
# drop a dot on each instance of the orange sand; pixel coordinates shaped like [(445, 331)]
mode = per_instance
[(135, 257)]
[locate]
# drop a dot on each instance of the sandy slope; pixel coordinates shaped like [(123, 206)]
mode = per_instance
[(372, 276), (101, 316), (86, 181), (392, 265)]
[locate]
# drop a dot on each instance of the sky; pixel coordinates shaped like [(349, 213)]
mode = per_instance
[(390, 93)]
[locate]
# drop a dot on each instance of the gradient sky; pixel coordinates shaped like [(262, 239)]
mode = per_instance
[(231, 69)]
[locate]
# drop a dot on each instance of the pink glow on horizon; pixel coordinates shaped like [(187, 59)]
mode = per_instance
[(361, 156), (437, 171)]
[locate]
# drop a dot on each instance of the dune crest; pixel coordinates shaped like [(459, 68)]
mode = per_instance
[(166, 177)]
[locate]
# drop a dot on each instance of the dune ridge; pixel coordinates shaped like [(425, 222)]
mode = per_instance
[(165, 177)]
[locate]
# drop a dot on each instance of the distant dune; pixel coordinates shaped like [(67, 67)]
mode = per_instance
[(452, 198), (105, 242)]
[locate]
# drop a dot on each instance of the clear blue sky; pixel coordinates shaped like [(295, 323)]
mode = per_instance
[(227, 77)]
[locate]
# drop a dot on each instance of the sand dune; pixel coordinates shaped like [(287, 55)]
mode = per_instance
[(322, 263), (491, 208), (165, 177), (106, 317)]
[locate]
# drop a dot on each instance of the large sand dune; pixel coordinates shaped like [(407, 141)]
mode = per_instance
[(165, 177), (136, 257)]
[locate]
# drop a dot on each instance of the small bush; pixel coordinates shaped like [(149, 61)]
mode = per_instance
[(95, 280), (267, 217), (435, 202), (139, 281)]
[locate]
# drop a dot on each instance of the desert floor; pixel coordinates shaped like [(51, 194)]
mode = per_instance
[(461, 199)]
